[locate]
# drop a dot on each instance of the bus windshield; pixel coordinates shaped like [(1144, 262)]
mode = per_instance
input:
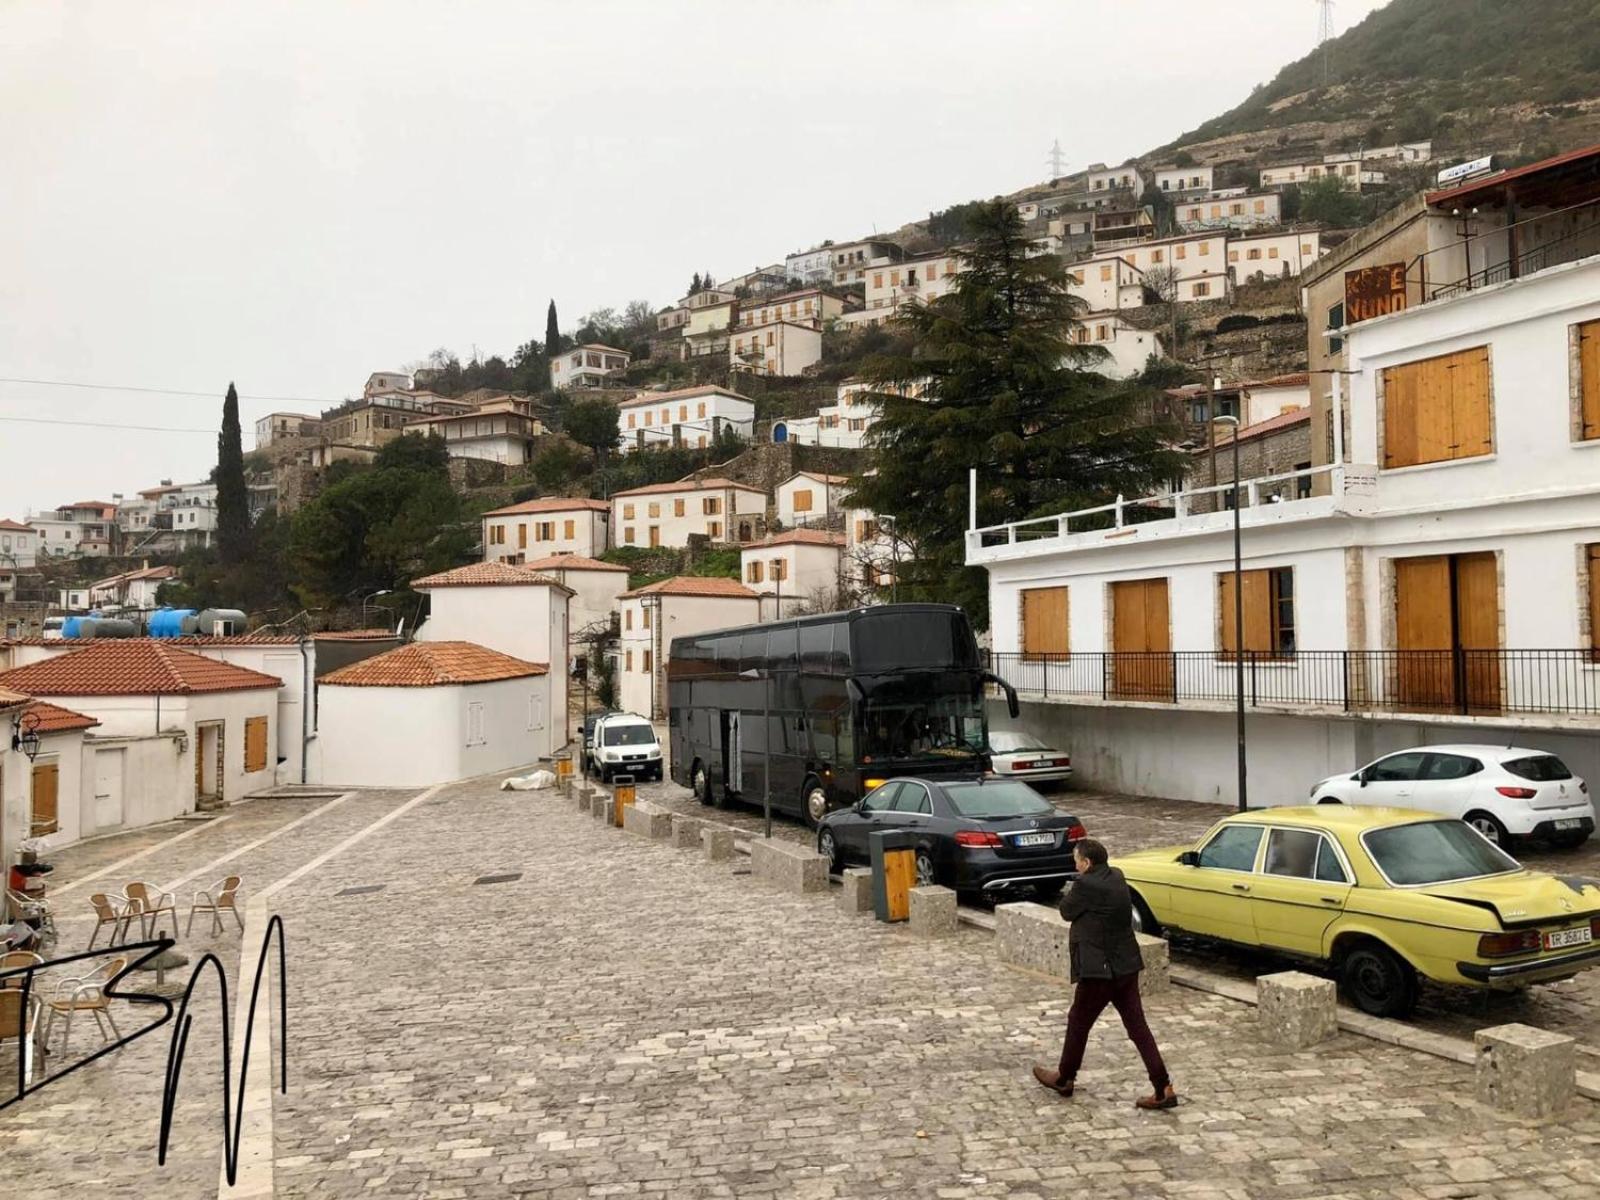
[(900, 727)]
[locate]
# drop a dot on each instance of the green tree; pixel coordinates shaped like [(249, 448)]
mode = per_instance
[(592, 421), (1328, 201), (1009, 391), (552, 332), (557, 464), (233, 497)]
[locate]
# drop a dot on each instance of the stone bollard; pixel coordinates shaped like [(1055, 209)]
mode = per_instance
[(564, 785), (1033, 936), (580, 798), (686, 831), (1156, 977), (647, 820), (933, 911), (794, 868), (600, 808), (1525, 1071), (855, 897), (717, 843), (1296, 1010)]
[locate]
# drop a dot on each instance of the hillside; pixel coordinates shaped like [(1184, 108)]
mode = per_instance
[(1517, 79)]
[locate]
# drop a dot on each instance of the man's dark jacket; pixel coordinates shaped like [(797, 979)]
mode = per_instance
[(1100, 908)]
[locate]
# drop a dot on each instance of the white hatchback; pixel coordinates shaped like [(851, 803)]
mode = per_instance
[(1501, 791)]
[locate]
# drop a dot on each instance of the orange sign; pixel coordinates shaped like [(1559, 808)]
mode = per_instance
[(1374, 292)]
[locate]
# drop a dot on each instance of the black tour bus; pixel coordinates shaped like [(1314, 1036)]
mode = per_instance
[(831, 705)]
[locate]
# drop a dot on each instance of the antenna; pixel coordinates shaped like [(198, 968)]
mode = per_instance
[(1324, 33), (1057, 160)]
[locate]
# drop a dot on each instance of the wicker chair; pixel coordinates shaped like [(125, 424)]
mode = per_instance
[(18, 1022), (222, 897), (108, 912), (148, 903), (11, 961), (87, 993)]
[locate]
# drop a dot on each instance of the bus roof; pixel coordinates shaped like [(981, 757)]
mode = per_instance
[(843, 617)]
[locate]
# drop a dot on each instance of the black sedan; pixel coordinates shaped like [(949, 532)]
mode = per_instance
[(997, 837)]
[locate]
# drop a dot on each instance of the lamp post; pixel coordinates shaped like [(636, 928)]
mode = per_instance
[(365, 605), (766, 738), (1238, 614)]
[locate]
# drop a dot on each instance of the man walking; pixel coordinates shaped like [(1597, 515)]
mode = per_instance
[(1105, 964)]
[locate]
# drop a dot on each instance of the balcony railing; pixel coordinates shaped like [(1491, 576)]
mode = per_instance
[(1481, 260), (1475, 683)]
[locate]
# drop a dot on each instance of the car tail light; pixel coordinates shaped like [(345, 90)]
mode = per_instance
[(1594, 928), (1517, 793), (977, 837), (1061, 762), (1076, 832), (1498, 945)]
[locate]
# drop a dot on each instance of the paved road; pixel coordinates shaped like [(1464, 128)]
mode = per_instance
[(624, 1019)]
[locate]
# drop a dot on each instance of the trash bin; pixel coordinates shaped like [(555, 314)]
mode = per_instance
[(563, 766), (894, 872), (622, 796)]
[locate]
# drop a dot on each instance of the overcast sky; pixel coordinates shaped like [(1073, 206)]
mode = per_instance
[(294, 195)]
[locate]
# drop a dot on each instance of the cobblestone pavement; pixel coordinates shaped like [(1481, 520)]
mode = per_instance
[(626, 1019)]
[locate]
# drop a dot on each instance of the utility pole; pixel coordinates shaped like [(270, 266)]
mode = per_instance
[(1057, 161)]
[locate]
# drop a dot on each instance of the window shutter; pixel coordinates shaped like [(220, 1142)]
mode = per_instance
[(255, 744), (1044, 621), (1589, 379), (46, 810), (1594, 600), (1225, 611), (1469, 404)]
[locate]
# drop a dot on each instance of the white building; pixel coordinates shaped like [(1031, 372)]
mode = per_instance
[(844, 424), (1198, 261), (668, 514), (1443, 584), (1351, 169), (687, 417), (852, 260), (509, 610), (891, 285), (1268, 398), (1103, 179), (782, 348), (1243, 211), (432, 712), (386, 381), (655, 614), (131, 589), (83, 529), (1128, 348), (811, 266), (1273, 255), (1107, 283), (589, 365), (810, 497), (501, 431), (279, 426), (796, 569), (43, 796), (548, 525), (712, 312), (1179, 181), (19, 546), (594, 585)]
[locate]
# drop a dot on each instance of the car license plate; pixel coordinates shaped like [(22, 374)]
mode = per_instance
[(1568, 937), (1569, 823), (1036, 839)]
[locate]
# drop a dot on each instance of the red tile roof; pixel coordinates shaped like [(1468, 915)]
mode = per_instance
[(688, 393), (1297, 379), (484, 574), (571, 562), (18, 525), (800, 537), (687, 485), (132, 667), (433, 664), (193, 639), (550, 504), (691, 585), (818, 475), (1261, 428), (52, 718), (353, 635), (10, 699)]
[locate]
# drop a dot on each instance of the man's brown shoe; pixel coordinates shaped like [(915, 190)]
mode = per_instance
[(1052, 1080), (1167, 1099)]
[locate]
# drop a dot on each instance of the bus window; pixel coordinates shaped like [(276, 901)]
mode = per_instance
[(896, 641), (728, 654), (816, 641), (948, 726), (783, 649), (753, 652)]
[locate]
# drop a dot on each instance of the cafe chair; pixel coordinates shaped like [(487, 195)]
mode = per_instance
[(87, 993), (18, 1021), (13, 959), (221, 897), (151, 904), (107, 912)]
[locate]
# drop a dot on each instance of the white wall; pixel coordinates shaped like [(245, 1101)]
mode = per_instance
[(595, 595), (65, 750), (157, 781), (293, 722), (825, 498), (632, 515), (233, 709), (522, 541), (390, 737), (688, 419), (1276, 254), (807, 570), (1232, 212), (515, 620)]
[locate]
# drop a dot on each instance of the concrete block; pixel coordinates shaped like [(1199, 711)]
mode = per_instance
[(1156, 977), (1525, 1071), (686, 831), (580, 798), (793, 867), (933, 911), (647, 820), (601, 808), (716, 843), (1296, 1010), (856, 895), (564, 785), (1033, 936)]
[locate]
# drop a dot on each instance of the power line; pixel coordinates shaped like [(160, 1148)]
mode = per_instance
[(128, 387), (107, 425)]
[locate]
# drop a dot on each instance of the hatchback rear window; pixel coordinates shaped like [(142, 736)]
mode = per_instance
[(983, 801), (1541, 768)]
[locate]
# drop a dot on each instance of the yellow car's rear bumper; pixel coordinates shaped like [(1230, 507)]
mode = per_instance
[(1533, 971)]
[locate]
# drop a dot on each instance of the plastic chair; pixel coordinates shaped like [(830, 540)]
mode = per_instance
[(18, 1023), (13, 959), (222, 897), (87, 993), (151, 904), (107, 912)]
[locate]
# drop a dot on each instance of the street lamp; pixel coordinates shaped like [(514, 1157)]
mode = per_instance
[(365, 606), (766, 739), (1238, 613)]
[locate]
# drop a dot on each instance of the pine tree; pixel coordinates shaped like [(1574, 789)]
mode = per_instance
[(552, 332), (1003, 385), (233, 498)]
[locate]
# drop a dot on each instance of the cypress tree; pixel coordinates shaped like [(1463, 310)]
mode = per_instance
[(233, 498), (552, 332)]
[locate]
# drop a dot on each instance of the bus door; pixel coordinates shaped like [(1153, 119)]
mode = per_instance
[(732, 753)]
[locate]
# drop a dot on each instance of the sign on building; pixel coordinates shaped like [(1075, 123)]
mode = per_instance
[(1374, 291), (1466, 170)]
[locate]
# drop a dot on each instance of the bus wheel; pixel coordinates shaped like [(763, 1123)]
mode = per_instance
[(701, 784), (816, 803)]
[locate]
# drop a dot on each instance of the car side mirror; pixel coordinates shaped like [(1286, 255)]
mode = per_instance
[(1189, 858), (1361, 778)]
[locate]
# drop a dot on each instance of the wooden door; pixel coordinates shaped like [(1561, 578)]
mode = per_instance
[(1141, 635), (1477, 613), (46, 796), (1424, 632)]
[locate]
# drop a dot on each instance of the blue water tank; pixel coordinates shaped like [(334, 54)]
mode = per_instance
[(171, 622), (71, 628)]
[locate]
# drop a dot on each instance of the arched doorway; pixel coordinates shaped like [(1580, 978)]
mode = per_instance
[(780, 432)]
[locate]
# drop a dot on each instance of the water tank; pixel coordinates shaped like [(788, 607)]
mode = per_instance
[(71, 626), (222, 622), (107, 627), (172, 622)]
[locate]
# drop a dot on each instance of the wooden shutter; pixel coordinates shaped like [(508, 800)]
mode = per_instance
[(255, 744), (1141, 635), (1471, 435), (1593, 559), (1478, 629), (802, 500), (46, 809), (1437, 409), (1589, 380), (1044, 621), (1257, 611), (1424, 629)]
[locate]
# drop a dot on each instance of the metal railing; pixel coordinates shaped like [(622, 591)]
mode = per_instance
[(1463, 682), (1448, 270)]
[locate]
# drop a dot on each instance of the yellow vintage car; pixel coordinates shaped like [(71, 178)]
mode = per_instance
[(1381, 895)]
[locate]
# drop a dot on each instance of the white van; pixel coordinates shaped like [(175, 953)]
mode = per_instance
[(625, 744)]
